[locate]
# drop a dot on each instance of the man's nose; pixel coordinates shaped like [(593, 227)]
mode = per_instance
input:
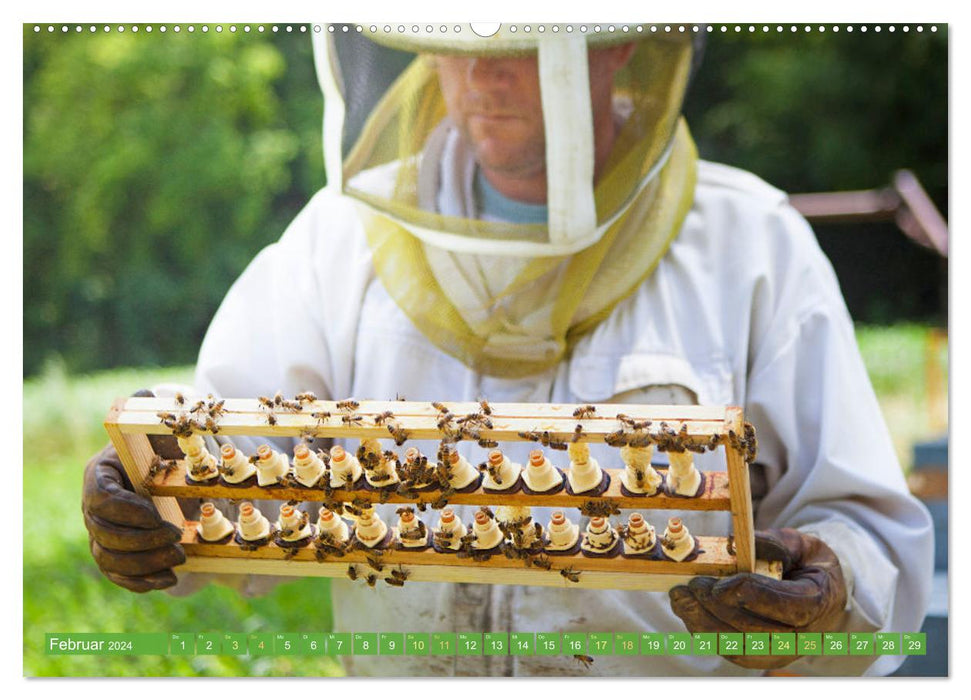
[(490, 71)]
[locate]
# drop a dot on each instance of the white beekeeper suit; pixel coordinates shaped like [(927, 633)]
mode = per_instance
[(741, 309)]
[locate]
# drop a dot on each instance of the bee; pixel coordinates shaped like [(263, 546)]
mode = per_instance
[(180, 398), (617, 439), (440, 502), (488, 444), (306, 397), (583, 659), (578, 433), (532, 435), (585, 411), (391, 581), (730, 545), (625, 419), (667, 542), (254, 459), (226, 470), (278, 398), (639, 440), (348, 405), (371, 580), (400, 573), (440, 407), (492, 471), (557, 445), (570, 574), (374, 561), (320, 416), (352, 419), (404, 509), (542, 561), (352, 573), (399, 397), (271, 418), (211, 425), (486, 408), (215, 408), (292, 406), (399, 434), (488, 511), (265, 401), (382, 417), (602, 509), (291, 552), (166, 418), (161, 466)]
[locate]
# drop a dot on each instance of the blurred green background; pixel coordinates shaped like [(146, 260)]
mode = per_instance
[(157, 165)]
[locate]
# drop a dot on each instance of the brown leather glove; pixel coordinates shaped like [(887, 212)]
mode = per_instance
[(810, 597), (131, 543)]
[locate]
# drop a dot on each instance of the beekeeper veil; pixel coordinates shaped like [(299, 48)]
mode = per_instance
[(513, 188)]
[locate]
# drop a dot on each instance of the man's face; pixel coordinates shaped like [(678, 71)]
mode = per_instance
[(496, 103)]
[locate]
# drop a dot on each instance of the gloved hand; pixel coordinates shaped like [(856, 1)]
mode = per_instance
[(810, 597), (131, 543)]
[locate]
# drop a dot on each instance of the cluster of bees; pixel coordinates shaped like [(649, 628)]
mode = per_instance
[(204, 415), (418, 473)]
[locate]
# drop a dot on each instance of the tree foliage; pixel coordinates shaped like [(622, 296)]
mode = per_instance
[(155, 166)]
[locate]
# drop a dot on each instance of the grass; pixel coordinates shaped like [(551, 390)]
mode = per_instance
[(65, 592)]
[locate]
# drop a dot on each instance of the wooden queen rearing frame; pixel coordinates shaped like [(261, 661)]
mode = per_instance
[(130, 422)]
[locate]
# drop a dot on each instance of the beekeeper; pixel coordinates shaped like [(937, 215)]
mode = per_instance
[(524, 218)]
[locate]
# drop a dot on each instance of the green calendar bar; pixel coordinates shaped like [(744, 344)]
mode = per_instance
[(757, 644), (489, 644), (547, 644), (522, 643), (468, 644), (313, 644), (835, 644), (679, 644), (182, 644), (260, 644), (783, 644), (365, 643), (653, 643), (888, 643), (574, 643), (286, 644), (809, 643), (862, 644), (106, 644), (418, 644), (235, 645), (208, 644), (731, 643), (600, 644), (914, 643), (444, 643), (495, 644), (392, 643), (705, 643), (339, 644), (626, 643)]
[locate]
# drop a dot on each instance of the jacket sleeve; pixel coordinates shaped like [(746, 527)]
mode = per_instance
[(832, 469)]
